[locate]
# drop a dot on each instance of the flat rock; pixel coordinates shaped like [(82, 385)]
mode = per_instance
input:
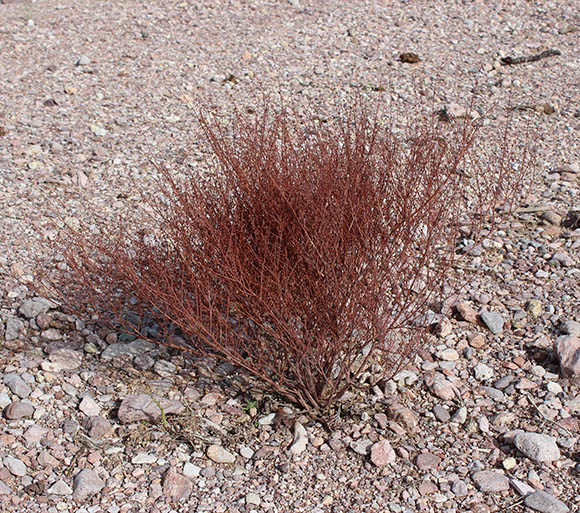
[(89, 407), (545, 503), (13, 328), (570, 328), (382, 453), (17, 385), (493, 320), (64, 359), (139, 407), (15, 466), (427, 461), (132, 349), (86, 483), (60, 488), (143, 458), (143, 362), (253, 499), (164, 368), (521, 487), (567, 349), (491, 481), (447, 354), (191, 470), (218, 454), (176, 487), (37, 305), (18, 410), (537, 447)]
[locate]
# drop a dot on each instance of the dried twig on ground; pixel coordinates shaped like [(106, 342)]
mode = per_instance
[(508, 61)]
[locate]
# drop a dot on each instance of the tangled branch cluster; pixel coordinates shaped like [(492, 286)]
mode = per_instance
[(313, 251)]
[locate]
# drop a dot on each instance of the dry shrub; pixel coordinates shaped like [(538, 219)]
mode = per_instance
[(313, 251)]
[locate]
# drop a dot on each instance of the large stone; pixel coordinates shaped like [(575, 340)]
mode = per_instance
[(537, 447), (466, 312), (562, 259), (218, 454), (87, 483), (191, 470), (32, 307), (491, 481), (15, 466), (440, 387), (382, 453), (567, 349), (89, 407), (176, 487), (493, 320), (427, 461), (63, 359), (570, 327), (131, 349), (18, 410), (98, 427), (545, 503), (35, 434), (139, 407), (17, 385), (83, 60), (13, 328), (403, 415)]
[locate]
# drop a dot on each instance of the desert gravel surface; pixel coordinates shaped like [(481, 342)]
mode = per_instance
[(485, 419)]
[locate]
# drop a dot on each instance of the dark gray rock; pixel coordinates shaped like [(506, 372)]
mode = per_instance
[(131, 349), (494, 321), (545, 503), (13, 328)]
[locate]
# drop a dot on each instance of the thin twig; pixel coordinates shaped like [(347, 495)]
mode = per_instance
[(529, 396), (507, 61)]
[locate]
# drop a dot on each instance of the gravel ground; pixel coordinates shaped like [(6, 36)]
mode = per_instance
[(483, 419)]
